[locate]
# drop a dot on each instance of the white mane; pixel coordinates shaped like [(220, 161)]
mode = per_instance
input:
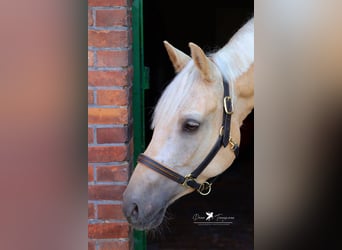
[(233, 60), (237, 55), (175, 93)]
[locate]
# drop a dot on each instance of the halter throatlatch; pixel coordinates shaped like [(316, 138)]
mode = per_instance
[(223, 140)]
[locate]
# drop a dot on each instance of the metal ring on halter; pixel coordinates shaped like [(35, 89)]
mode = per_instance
[(205, 188)]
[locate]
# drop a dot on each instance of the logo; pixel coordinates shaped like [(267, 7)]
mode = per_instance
[(211, 218)]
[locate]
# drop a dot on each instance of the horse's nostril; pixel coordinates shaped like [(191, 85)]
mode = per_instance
[(131, 211), (135, 211)]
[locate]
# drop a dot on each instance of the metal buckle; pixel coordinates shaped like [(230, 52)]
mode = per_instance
[(187, 178), (225, 100), (232, 144), (205, 188)]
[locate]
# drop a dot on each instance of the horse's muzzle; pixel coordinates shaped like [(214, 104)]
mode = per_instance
[(141, 214)]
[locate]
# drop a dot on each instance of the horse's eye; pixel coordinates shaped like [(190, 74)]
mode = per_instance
[(190, 126)]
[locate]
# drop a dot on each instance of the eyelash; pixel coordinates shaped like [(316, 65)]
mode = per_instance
[(190, 126)]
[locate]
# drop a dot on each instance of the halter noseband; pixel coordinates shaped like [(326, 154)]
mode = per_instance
[(222, 141)]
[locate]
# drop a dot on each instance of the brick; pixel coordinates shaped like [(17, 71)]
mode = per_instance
[(108, 230), (90, 135), (107, 212), (108, 38), (107, 153), (107, 115), (109, 78), (91, 245), (90, 58), (111, 17), (112, 97), (107, 2), (90, 17), (105, 192), (90, 97), (90, 173), (119, 58), (91, 211), (112, 135), (117, 245), (112, 173)]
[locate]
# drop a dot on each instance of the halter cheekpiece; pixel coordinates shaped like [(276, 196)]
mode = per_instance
[(223, 140)]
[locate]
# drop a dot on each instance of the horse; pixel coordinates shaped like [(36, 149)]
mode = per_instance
[(196, 126)]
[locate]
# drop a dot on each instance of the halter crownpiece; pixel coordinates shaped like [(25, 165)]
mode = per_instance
[(222, 141)]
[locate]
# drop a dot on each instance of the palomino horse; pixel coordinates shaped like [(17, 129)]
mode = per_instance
[(192, 141)]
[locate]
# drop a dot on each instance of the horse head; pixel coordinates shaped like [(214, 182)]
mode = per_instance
[(187, 122)]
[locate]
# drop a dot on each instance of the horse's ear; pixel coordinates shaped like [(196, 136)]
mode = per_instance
[(177, 57), (202, 62)]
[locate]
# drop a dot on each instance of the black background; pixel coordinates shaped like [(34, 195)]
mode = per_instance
[(209, 26)]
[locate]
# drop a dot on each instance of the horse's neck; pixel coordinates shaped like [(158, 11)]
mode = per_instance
[(244, 91), (236, 57), (236, 63)]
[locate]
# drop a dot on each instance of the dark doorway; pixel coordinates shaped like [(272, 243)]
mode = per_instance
[(209, 24)]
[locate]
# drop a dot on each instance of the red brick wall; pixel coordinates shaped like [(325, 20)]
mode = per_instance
[(109, 121)]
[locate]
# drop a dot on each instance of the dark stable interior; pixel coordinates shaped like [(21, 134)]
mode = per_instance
[(209, 24)]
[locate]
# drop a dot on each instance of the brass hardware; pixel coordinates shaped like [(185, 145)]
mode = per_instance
[(187, 178), (225, 100), (232, 144), (205, 188), (221, 131)]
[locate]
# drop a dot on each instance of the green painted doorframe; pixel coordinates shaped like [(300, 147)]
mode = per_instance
[(140, 84)]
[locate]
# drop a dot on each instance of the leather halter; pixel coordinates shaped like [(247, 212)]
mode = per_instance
[(222, 141)]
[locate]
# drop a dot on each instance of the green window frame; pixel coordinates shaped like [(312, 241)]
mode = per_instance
[(140, 84)]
